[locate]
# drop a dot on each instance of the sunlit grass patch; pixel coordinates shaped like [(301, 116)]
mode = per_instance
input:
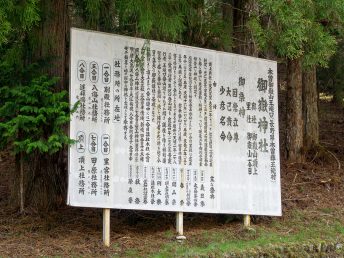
[(325, 97)]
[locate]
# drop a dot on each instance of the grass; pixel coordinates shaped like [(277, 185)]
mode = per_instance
[(297, 230), (262, 239), (325, 97)]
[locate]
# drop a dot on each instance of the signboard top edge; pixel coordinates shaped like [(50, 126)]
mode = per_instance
[(165, 42)]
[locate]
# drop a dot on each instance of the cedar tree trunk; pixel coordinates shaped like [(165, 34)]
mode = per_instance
[(294, 127), (45, 175), (227, 16), (310, 109), (244, 43)]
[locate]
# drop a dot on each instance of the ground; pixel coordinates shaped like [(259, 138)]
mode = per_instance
[(313, 217)]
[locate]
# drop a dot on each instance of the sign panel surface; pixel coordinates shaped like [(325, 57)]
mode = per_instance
[(168, 127)]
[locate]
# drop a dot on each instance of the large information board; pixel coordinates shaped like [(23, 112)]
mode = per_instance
[(168, 127)]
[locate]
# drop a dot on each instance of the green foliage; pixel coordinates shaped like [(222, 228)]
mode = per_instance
[(98, 14), (320, 46), (158, 19), (16, 18), (198, 23), (331, 80), (286, 27), (258, 32), (299, 28), (153, 19), (5, 25), (205, 26), (32, 116), (330, 14)]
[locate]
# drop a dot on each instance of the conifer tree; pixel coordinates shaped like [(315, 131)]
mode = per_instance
[(32, 110), (301, 32)]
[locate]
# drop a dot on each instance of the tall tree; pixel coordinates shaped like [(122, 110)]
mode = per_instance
[(326, 23), (294, 31), (310, 108), (47, 45), (32, 115), (244, 42), (294, 127), (209, 25), (16, 20), (47, 41), (228, 19)]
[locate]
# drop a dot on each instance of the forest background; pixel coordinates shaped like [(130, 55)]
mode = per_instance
[(305, 37)]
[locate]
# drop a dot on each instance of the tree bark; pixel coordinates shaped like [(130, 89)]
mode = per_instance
[(17, 194), (310, 109), (294, 127), (227, 16), (48, 42), (244, 43), (45, 181), (21, 183)]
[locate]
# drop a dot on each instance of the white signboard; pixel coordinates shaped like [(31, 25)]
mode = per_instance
[(174, 128)]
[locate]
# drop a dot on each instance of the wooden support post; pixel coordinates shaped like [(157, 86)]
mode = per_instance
[(247, 221), (179, 226), (106, 227), (179, 223)]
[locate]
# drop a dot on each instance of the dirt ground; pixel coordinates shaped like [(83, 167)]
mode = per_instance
[(315, 186)]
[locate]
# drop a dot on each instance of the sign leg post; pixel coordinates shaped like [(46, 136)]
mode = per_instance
[(106, 227), (247, 221), (179, 226)]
